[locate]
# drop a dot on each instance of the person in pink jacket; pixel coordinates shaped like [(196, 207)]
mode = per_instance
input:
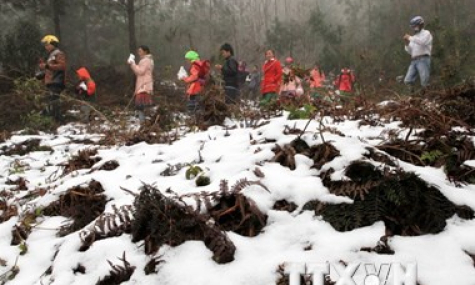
[(144, 82), (291, 87)]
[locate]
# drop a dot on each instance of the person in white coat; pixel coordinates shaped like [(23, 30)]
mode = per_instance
[(419, 46)]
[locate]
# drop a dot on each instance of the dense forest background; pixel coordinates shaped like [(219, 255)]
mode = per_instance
[(365, 35)]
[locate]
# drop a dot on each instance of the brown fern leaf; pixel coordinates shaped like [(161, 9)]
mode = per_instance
[(258, 172), (151, 266), (87, 239), (322, 154), (351, 189), (285, 156), (379, 156), (198, 203), (19, 234), (118, 273), (83, 160), (224, 188), (222, 247), (208, 203), (243, 183), (382, 247), (108, 225), (163, 220)]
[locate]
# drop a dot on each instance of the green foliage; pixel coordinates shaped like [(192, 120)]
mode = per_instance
[(453, 51), (37, 122), (23, 248), (193, 172), (31, 91), (202, 180), (16, 168), (28, 86), (39, 211), (296, 113), (332, 54), (431, 156), (21, 48), (330, 34)]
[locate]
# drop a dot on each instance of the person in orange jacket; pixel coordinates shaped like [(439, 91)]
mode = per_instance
[(272, 79), (198, 71), (86, 89)]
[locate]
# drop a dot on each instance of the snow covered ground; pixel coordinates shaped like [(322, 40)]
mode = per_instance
[(441, 259)]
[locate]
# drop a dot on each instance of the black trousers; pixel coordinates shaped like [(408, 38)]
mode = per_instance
[(231, 95), (53, 107), (193, 104)]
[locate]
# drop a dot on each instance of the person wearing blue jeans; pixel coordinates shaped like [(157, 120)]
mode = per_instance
[(419, 66), (419, 46)]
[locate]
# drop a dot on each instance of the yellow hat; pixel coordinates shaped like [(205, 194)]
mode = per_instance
[(49, 38)]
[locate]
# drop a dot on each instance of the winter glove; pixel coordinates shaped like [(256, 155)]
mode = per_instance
[(131, 59)]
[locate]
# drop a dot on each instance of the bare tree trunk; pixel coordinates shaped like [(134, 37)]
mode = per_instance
[(315, 52), (35, 11), (264, 10), (236, 42), (210, 27), (253, 19), (56, 11), (85, 41), (131, 23), (139, 19), (241, 10), (190, 40), (286, 8)]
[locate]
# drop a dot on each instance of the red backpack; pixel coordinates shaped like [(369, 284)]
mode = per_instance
[(204, 68)]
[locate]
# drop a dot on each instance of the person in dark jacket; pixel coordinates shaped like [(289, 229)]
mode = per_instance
[(230, 74), (242, 75), (54, 75), (254, 82)]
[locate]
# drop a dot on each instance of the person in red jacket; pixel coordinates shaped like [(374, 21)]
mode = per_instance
[(344, 82), (270, 85), (86, 89), (317, 80)]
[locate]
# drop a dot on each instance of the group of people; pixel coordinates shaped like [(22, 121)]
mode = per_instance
[(272, 81), (52, 71), (284, 82)]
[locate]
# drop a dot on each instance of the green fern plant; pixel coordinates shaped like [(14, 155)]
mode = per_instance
[(431, 156), (37, 122), (193, 172), (306, 112)]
